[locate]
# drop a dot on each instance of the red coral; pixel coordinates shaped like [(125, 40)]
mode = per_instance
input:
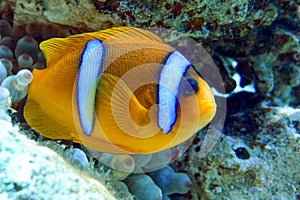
[(127, 14), (110, 5), (177, 7), (194, 24)]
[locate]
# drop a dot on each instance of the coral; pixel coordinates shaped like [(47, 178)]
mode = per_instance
[(48, 32), (29, 45), (5, 103), (143, 187), (8, 65), (140, 161), (267, 56), (159, 160), (25, 61), (18, 84), (41, 62), (18, 31), (33, 30), (170, 182), (200, 19), (77, 158), (120, 189), (40, 57), (246, 165), (257, 35), (204, 19), (277, 70), (8, 16), (4, 28), (31, 171), (116, 166), (39, 65), (46, 12), (5, 52), (8, 41)]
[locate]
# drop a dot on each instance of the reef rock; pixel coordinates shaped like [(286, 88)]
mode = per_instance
[(30, 171), (80, 14), (263, 168)]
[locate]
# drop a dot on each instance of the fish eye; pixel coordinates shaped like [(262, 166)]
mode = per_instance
[(188, 87)]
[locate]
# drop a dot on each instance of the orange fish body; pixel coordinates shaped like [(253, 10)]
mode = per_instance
[(120, 90)]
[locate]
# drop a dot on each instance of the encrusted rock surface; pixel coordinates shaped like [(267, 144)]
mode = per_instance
[(264, 168), (30, 171), (78, 14)]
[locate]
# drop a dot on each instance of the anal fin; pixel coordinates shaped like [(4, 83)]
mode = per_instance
[(45, 125)]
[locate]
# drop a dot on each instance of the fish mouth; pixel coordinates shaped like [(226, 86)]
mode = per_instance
[(198, 118), (208, 109)]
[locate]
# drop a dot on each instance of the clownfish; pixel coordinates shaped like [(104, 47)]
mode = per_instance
[(119, 90)]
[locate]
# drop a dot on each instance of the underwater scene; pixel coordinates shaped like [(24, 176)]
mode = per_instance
[(149, 100)]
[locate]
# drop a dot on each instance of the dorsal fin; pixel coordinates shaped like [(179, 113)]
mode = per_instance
[(56, 48)]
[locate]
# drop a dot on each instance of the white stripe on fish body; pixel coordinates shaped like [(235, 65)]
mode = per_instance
[(88, 75), (168, 86)]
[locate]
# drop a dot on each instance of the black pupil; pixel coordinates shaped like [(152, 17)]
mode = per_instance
[(189, 87)]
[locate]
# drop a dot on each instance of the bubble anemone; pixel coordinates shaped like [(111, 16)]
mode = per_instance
[(5, 28), (29, 45), (5, 52), (25, 61), (18, 84), (7, 64)]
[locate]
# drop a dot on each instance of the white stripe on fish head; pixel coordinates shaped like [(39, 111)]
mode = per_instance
[(170, 76)]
